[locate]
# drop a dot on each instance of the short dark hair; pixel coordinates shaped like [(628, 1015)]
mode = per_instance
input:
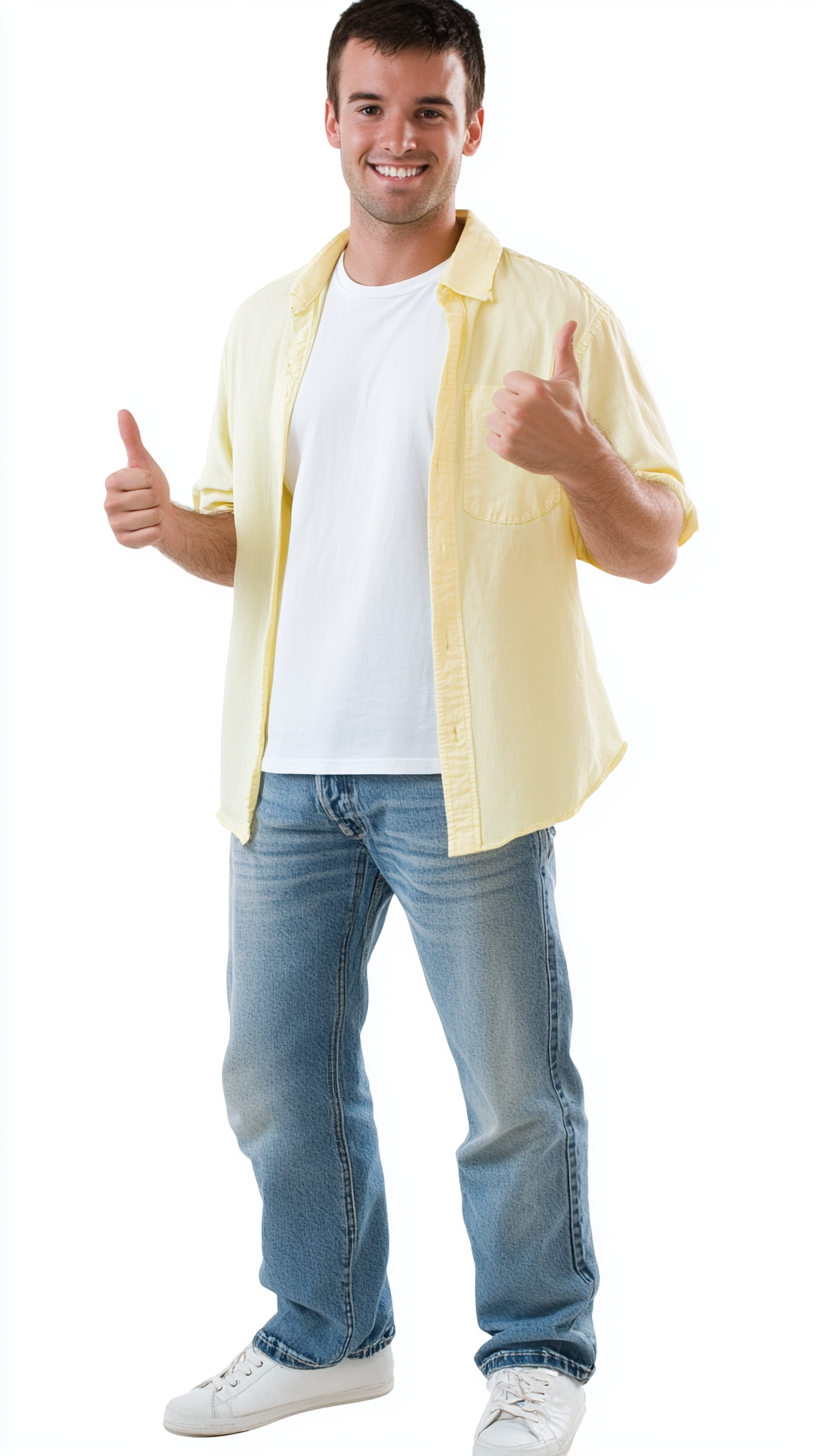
[(400, 25)]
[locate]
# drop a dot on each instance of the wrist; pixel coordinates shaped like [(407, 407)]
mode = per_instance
[(588, 466), (168, 527)]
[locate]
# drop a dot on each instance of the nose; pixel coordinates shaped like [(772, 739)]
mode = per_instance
[(397, 136)]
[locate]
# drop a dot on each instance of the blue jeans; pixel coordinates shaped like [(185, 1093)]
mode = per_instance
[(309, 893)]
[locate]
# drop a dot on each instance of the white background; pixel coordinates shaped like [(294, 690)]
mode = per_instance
[(161, 162)]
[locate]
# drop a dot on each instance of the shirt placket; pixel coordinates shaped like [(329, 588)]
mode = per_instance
[(303, 331), (450, 664)]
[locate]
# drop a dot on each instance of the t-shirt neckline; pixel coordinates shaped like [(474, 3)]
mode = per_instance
[(386, 290)]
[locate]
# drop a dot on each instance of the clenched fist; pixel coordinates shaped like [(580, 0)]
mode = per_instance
[(541, 424), (138, 497)]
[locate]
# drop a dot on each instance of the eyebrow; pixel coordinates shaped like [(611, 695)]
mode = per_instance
[(420, 101)]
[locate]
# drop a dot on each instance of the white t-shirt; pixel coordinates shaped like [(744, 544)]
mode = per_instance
[(353, 684)]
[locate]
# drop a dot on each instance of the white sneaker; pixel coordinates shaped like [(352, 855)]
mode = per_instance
[(254, 1391), (532, 1411)]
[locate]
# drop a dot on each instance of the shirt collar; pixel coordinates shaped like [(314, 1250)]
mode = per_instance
[(475, 259), (470, 270)]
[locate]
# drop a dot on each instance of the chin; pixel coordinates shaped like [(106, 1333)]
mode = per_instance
[(406, 210), (398, 214)]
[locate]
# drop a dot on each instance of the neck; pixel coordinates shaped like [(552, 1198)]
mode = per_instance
[(384, 252)]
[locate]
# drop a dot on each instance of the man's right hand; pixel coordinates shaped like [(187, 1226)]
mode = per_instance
[(138, 497)]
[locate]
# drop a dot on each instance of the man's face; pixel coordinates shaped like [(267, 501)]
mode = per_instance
[(403, 112)]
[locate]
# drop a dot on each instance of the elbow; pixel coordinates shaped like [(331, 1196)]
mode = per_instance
[(661, 554), (657, 567)]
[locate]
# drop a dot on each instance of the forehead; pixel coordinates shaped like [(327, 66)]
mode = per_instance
[(407, 76)]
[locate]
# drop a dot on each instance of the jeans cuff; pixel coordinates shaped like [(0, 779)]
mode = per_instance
[(274, 1350), (545, 1358), (375, 1348)]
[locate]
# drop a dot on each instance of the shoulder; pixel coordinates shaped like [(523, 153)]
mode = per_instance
[(544, 290), (268, 308)]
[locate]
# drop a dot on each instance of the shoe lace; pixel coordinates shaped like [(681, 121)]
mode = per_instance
[(518, 1393), (245, 1362)]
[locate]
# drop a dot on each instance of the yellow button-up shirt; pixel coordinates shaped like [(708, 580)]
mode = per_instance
[(526, 732)]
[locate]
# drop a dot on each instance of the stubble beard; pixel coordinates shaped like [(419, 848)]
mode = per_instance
[(395, 212)]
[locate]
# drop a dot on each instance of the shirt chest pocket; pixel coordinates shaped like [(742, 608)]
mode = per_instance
[(492, 488)]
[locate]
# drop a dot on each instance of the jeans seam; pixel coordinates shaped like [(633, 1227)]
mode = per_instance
[(374, 906), (337, 1104), (375, 902), (576, 1233)]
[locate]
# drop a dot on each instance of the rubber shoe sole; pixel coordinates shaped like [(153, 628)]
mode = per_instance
[(480, 1448), (294, 1408)]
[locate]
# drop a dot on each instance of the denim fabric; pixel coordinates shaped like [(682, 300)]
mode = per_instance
[(309, 894)]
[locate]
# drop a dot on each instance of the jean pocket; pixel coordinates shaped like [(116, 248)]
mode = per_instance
[(492, 488)]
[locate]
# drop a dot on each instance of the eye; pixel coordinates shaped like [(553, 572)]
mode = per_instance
[(368, 110), (430, 113)]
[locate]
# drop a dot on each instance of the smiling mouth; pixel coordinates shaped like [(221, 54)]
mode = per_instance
[(396, 174)]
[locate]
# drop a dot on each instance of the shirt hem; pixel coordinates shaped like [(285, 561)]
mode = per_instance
[(454, 851), (352, 766)]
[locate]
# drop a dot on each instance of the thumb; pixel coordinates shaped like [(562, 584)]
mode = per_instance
[(131, 439), (565, 366)]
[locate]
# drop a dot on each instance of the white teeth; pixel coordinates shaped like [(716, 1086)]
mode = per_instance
[(397, 171)]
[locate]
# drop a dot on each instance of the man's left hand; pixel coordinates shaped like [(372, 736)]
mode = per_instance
[(541, 424)]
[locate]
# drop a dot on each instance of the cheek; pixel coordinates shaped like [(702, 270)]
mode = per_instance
[(352, 143)]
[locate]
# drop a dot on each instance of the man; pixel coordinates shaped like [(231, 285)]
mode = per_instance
[(415, 437)]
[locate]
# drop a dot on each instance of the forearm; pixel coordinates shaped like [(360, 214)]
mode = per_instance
[(202, 543), (630, 526)]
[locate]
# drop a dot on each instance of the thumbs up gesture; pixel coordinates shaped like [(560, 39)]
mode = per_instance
[(541, 424), (138, 497)]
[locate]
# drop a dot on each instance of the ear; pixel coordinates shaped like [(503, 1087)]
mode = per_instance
[(473, 135), (332, 125)]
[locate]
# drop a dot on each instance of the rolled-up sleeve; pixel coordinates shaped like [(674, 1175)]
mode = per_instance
[(213, 489), (619, 402)]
